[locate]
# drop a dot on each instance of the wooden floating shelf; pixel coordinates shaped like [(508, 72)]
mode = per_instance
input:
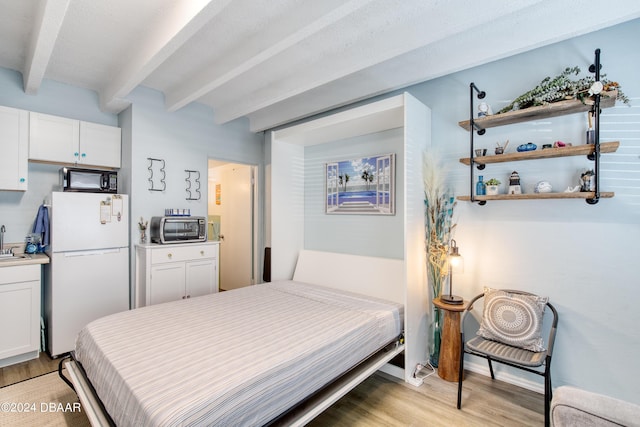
[(555, 109), (538, 196), (547, 153)]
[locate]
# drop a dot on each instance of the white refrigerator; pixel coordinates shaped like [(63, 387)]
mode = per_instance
[(88, 275)]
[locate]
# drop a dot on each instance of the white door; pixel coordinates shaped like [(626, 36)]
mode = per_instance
[(236, 226)]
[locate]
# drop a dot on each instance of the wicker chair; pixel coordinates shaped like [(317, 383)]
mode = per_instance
[(502, 341)]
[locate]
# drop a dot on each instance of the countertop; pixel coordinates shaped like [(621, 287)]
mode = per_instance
[(24, 259), (171, 245)]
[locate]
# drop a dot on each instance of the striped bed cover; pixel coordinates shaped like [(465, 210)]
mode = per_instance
[(240, 357)]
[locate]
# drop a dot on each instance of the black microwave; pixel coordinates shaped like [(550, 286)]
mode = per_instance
[(89, 181)]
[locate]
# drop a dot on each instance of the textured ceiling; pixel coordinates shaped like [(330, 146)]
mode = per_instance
[(278, 60)]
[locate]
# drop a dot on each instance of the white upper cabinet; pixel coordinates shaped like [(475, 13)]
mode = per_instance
[(56, 139), (53, 139), (100, 144), (14, 145)]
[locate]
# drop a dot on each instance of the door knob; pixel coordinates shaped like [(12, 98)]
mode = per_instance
[(222, 237)]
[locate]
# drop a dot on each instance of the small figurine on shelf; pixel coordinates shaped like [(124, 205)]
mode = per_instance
[(142, 226), (543, 187), (484, 109), (588, 181), (514, 183)]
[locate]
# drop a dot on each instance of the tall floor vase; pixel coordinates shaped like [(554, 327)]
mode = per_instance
[(435, 320), (435, 330)]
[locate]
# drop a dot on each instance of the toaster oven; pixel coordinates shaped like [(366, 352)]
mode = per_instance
[(178, 229)]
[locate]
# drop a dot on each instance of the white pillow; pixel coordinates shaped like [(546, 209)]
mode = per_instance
[(513, 319)]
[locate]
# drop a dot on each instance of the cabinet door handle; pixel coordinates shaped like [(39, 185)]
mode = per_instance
[(169, 255), (183, 297), (188, 296), (202, 253), (84, 155)]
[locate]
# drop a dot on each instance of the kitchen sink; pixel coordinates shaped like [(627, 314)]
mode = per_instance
[(13, 257)]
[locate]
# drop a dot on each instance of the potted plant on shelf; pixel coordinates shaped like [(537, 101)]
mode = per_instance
[(493, 187)]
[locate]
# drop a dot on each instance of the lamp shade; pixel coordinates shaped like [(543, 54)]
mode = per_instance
[(456, 261), (456, 265)]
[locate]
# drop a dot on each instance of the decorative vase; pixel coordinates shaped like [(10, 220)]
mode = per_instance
[(435, 321), (480, 187), (435, 332), (143, 236)]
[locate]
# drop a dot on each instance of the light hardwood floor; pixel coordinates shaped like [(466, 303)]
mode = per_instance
[(382, 400), (25, 370)]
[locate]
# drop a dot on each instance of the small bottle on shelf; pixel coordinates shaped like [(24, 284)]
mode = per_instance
[(481, 190)]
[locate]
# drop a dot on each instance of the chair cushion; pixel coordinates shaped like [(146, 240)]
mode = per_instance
[(514, 319), (499, 351)]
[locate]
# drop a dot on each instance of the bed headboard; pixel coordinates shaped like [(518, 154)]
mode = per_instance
[(377, 277)]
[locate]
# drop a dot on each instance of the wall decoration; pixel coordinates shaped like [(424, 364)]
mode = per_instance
[(193, 184), (364, 186), (157, 179)]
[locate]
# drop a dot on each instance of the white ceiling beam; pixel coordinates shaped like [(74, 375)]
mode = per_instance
[(48, 21), (203, 83), (388, 40), (176, 30), (433, 61)]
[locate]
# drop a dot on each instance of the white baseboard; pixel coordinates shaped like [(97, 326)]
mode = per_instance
[(481, 367)]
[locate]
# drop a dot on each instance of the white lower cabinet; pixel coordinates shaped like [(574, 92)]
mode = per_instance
[(171, 272), (19, 313)]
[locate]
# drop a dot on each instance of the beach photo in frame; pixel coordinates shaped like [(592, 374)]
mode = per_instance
[(364, 186)]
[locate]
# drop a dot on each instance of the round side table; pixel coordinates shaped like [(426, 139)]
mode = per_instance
[(449, 360)]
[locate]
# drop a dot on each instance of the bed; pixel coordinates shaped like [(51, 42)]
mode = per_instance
[(275, 353)]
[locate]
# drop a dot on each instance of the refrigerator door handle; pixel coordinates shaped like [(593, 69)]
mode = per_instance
[(92, 252)]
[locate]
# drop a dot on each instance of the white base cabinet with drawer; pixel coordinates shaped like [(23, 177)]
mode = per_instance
[(171, 272), (19, 313)]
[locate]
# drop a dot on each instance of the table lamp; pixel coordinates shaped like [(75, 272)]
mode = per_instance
[(456, 263)]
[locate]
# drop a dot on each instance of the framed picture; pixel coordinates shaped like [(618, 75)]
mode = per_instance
[(364, 186)]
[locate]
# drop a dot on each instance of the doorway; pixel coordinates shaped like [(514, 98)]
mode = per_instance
[(232, 220)]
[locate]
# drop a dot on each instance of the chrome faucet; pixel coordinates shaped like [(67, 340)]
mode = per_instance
[(2, 231)]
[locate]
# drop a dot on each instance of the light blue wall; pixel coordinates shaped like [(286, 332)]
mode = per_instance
[(369, 235), (185, 139), (53, 97), (581, 256)]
